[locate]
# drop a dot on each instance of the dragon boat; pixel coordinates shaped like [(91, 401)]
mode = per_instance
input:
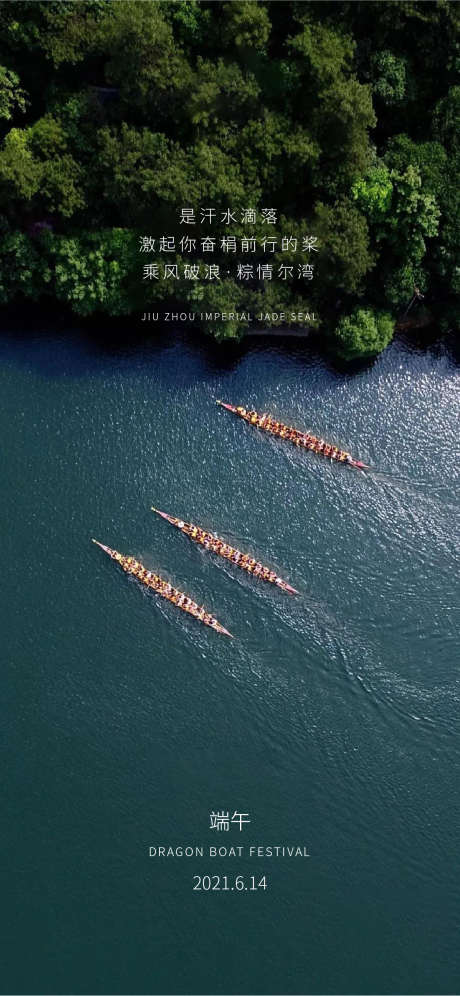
[(217, 545), (295, 436), (163, 588)]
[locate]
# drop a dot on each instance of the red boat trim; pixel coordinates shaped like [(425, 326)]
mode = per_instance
[(217, 545), (295, 436), (163, 588)]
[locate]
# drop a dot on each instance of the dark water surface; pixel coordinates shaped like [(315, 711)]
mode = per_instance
[(332, 718)]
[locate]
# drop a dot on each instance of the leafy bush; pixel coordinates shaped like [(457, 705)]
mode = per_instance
[(364, 333)]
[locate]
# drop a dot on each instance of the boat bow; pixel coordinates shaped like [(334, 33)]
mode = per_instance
[(163, 588), (217, 545)]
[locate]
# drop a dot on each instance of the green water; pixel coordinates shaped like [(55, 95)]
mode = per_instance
[(331, 718)]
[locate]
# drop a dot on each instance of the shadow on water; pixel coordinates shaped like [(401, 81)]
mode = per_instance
[(77, 346)]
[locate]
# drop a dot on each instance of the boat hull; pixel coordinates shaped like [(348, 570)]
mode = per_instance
[(295, 436), (164, 589), (217, 545)]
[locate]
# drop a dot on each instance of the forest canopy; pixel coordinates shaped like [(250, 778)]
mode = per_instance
[(342, 117)]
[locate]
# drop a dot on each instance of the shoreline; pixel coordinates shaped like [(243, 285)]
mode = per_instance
[(421, 332)]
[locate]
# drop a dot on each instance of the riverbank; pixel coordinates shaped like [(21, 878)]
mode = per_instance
[(420, 328)]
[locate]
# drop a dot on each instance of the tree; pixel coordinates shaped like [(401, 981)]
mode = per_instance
[(144, 60), (326, 54), (414, 215), (399, 283), (138, 169), (430, 158), (220, 91), (363, 333), (404, 213), (71, 31), (191, 21), (95, 272), (217, 174), (36, 166), (274, 151), (12, 96), (344, 234), (373, 192), (389, 77), (20, 172), (23, 269), (246, 25), (446, 119), (344, 118)]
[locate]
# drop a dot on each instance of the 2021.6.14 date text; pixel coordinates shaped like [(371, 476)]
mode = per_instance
[(224, 883)]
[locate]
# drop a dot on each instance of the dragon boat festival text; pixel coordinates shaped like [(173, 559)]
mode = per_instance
[(233, 851)]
